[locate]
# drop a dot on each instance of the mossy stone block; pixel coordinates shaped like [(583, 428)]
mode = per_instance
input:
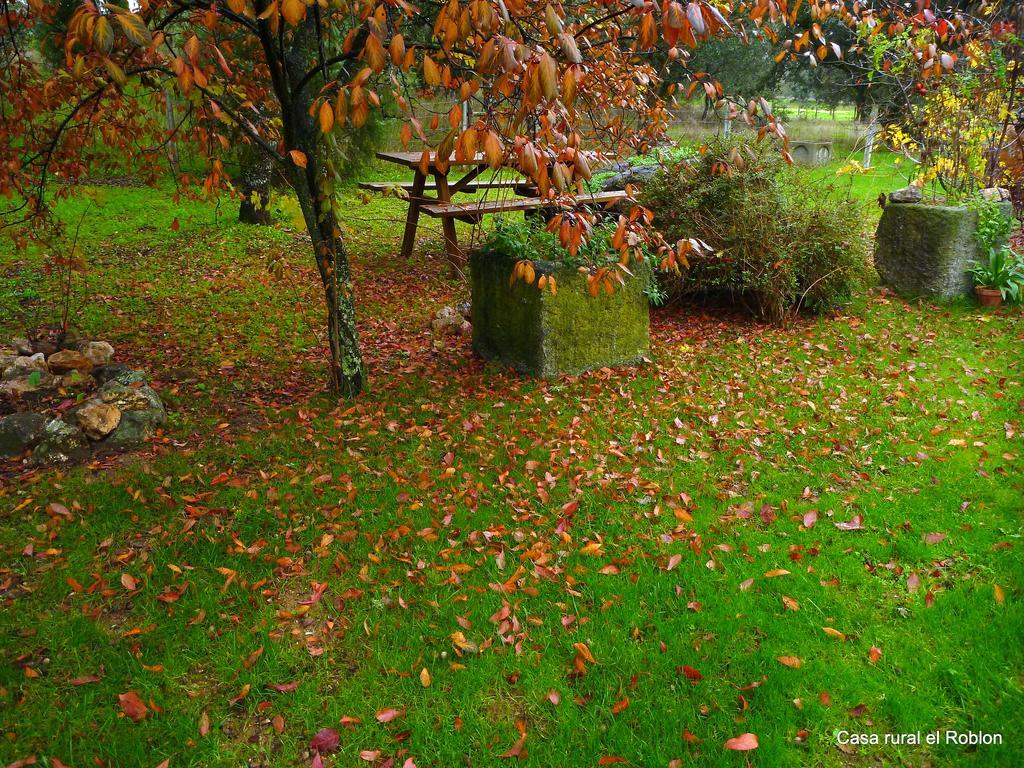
[(923, 249), (545, 334)]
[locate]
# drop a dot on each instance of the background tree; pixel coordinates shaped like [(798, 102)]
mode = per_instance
[(744, 69)]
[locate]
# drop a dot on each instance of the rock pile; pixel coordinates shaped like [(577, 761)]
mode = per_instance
[(121, 412), (449, 321)]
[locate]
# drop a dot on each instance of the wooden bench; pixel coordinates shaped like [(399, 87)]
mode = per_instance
[(471, 213), (471, 186)]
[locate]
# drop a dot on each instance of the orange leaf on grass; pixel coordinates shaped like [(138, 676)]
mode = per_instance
[(517, 749), (584, 651), (388, 714), (325, 740), (692, 674), (241, 694), (742, 743), (283, 687), (856, 523), (132, 706)]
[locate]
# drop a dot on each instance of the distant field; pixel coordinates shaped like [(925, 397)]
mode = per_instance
[(802, 120)]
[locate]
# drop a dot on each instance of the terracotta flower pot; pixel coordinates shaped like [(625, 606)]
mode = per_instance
[(988, 297)]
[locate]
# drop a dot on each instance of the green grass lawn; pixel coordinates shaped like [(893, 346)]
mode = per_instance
[(846, 178), (601, 567)]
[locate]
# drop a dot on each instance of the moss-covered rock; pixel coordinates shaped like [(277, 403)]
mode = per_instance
[(547, 334), (922, 249)]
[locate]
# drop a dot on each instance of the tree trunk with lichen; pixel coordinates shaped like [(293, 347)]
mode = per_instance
[(310, 180), (336, 279)]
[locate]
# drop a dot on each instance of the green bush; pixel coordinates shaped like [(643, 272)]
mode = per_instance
[(776, 244)]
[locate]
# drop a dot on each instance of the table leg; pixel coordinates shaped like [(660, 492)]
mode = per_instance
[(412, 218), (451, 244)]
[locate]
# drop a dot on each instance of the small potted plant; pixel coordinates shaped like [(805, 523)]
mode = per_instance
[(1000, 279)]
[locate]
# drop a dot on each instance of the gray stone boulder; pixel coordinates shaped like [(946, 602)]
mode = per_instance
[(15, 388), (617, 166), (61, 442), (97, 419), (73, 379), (22, 346), (118, 372), (906, 195), (24, 365), (98, 352), (68, 360), (19, 432), (141, 412), (995, 194), (637, 174), (923, 249)]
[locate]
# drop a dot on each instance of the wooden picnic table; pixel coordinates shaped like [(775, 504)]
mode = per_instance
[(442, 207), (444, 191)]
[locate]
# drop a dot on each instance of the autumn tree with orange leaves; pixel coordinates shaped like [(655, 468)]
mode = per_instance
[(555, 87)]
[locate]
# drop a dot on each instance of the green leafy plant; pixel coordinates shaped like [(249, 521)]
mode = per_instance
[(523, 239), (994, 227), (1004, 270), (529, 240)]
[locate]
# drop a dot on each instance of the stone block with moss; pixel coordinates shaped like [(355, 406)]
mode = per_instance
[(924, 249), (545, 334)]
